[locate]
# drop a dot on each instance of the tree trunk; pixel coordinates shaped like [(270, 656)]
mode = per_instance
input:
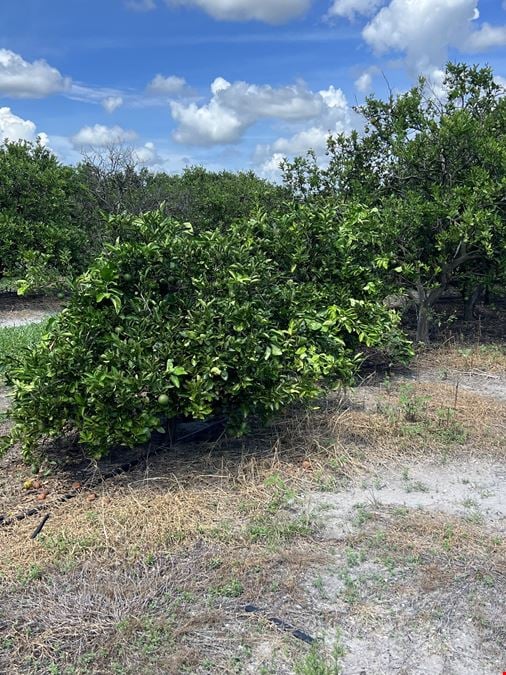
[(422, 326), (424, 303), (470, 303)]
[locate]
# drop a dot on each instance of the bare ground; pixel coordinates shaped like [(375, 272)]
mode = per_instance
[(375, 524), (19, 311)]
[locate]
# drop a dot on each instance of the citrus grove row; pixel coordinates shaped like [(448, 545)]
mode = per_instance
[(221, 294)]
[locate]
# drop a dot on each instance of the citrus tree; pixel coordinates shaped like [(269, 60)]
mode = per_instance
[(41, 239), (434, 164), (176, 323)]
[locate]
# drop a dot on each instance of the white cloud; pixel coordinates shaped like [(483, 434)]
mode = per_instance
[(219, 84), (207, 125), (350, 8), (335, 117), (486, 37), (269, 11), (294, 102), (112, 103), (171, 85), (14, 128), (100, 136), (334, 98), (314, 138), (270, 169), (424, 30), (146, 155), (21, 79), (96, 95), (363, 83), (235, 107)]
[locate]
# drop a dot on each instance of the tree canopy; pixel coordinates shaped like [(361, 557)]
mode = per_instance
[(182, 323), (434, 164)]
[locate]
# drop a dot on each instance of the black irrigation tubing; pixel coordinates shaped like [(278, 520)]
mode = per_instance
[(6, 520), (39, 527), (283, 625)]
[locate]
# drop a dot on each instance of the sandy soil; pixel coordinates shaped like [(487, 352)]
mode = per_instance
[(20, 311)]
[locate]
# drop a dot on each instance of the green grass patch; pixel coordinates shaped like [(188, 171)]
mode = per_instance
[(15, 338)]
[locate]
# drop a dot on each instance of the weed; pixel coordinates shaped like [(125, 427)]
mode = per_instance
[(6, 643), (413, 407), (351, 591), (318, 663), (362, 515), (268, 670), (150, 559), (353, 557), (33, 573), (319, 584), (66, 546), (222, 532), (474, 517), (208, 664), (414, 416), (283, 495), (417, 486), (232, 589), (272, 531)]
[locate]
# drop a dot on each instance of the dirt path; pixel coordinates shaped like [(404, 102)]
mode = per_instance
[(16, 311), (415, 546), (421, 594), (486, 384), (470, 489)]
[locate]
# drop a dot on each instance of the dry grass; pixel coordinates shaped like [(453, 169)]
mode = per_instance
[(152, 574), (473, 359), (413, 417), (157, 616), (216, 490), (434, 541), (207, 491)]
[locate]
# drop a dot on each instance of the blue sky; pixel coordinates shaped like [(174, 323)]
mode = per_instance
[(224, 83)]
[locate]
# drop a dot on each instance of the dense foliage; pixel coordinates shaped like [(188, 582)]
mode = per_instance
[(54, 218), (184, 323), (40, 240), (435, 167)]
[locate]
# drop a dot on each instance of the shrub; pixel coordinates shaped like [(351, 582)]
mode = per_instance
[(177, 323), (45, 254)]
